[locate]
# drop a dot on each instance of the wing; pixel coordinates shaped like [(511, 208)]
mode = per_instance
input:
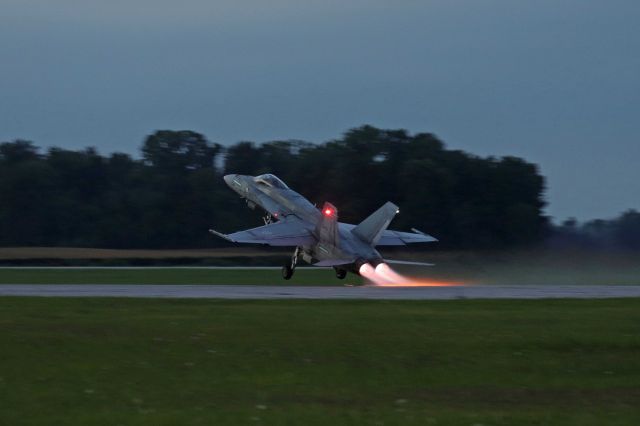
[(397, 238), (290, 231)]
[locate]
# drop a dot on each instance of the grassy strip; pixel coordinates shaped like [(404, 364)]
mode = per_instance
[(78, 253), (494, 267), (188, 362), (171, 276), (533, 267)]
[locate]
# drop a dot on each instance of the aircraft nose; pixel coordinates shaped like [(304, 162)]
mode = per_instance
[(229, 179)]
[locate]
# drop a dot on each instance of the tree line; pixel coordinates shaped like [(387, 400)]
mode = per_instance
[(619, 233), (174, 192)]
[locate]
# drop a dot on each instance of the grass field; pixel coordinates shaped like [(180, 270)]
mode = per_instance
[(302, 276), (192, 362)]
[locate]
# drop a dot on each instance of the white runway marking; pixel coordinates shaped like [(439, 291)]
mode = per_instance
[(314, 292)]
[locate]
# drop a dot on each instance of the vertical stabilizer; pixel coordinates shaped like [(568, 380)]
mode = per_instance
[(370, 230), (327, 228)]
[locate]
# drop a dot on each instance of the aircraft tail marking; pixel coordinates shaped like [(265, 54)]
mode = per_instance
[(370, 230), (327, 228)]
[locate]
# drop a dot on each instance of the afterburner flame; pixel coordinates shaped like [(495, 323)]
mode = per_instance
[(389, 274), (367, 271), (384, 276)]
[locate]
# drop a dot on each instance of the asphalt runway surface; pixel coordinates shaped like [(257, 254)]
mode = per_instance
[(317, 292)]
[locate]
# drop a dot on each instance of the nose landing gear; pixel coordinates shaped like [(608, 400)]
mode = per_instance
[(340, 273), (290, 267)]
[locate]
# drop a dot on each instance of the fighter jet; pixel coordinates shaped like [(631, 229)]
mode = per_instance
[(319, 239)]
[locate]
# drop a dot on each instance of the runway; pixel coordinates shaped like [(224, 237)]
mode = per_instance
[(317, 292)]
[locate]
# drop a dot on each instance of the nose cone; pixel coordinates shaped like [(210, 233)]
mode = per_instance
[(229, 180)]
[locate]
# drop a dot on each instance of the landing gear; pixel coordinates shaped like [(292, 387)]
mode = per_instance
[(340, 273), (290, 267), (287, 271)]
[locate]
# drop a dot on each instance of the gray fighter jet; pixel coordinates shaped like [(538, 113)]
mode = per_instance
[(319, 239)]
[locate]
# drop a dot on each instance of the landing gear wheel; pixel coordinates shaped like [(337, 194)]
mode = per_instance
[(287, 271), (290, 267), (341, 273)]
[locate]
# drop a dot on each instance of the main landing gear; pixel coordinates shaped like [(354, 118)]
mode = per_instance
[(290, 267), (340, 273)]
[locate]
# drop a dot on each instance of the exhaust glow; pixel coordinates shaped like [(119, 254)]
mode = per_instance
[(389, 274), (367, 271), (384, 276)]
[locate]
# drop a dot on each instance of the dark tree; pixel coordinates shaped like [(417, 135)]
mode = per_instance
[(175, 192), (180, 151)]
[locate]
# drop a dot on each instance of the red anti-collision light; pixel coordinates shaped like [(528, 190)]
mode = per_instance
[(328, 212)]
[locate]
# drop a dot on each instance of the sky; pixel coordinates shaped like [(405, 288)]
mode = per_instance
[(556, 82)]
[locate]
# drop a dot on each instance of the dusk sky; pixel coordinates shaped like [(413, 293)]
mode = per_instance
[(554, 81)]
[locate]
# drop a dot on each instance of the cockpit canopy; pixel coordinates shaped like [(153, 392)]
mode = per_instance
[(270, 180)]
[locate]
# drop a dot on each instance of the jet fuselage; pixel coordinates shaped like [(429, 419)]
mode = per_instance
[(279, 201)]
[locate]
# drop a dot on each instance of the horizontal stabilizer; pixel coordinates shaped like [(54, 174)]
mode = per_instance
[(397, 238), (334, 262), (407, 262)]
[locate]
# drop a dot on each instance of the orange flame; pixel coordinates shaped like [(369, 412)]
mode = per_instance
[(367, 271), (384, 276)]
